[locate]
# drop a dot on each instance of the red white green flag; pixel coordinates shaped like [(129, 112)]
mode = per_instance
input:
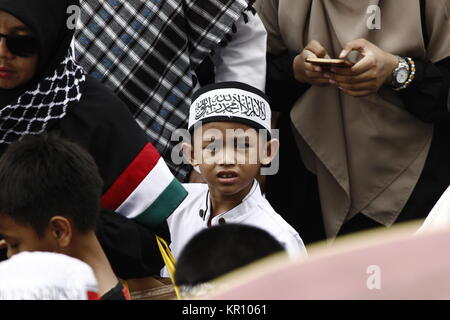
[(146, 191)]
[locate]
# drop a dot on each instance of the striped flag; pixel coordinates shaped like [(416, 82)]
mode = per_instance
[(146, 191)]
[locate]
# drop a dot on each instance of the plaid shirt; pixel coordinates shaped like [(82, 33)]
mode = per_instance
[(146, 51)]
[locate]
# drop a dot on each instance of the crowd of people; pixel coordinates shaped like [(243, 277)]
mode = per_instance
[(89, 176)]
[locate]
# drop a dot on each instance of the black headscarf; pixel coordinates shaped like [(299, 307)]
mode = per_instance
[(31, 108)]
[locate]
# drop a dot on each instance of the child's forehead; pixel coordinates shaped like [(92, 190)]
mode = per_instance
[(226, 125), (224, 129)]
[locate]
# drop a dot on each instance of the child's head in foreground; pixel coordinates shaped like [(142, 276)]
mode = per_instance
[(216, 251), (50, 192), (230, 125)]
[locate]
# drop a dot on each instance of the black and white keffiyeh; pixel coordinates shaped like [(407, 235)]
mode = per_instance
[(146, 51), (40, 106)]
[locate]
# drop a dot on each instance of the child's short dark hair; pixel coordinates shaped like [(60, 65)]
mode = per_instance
[(221, 249), (45, 176)]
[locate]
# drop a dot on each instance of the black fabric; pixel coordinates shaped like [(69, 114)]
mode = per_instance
[(3, 253), (425, 34), (293, 191), (435, 177), (358, 223), (205, 73), (281, 87), (115, 293), (130, 247), (427, 97), (103, 125)]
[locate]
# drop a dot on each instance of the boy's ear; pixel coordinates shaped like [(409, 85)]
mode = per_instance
[(61, 231), (188, 153), (272, 147)]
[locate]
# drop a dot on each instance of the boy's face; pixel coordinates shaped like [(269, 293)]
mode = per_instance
[(20, 237), (227, 154)]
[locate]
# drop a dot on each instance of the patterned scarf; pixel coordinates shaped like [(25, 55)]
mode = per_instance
[(42, 104), (146, 52)]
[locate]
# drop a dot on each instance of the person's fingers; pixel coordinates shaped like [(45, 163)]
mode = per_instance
[(316, 48), (364, 65), (363, 77), (357, 45), (316, 77), (309, 72), (362, 86), (302, 69)]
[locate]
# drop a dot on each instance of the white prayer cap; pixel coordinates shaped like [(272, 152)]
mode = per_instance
[(230, 101), (46, 276)]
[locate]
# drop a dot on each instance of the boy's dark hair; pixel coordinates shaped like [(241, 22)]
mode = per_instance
[(44, 176), (221, 249)]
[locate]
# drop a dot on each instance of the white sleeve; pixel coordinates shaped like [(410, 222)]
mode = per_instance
[(295, 248), (244, 58), (439, 217)]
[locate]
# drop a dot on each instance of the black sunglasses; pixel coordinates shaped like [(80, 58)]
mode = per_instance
[(21, 46)]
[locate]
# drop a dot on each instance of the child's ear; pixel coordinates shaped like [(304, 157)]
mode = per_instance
[(188, 153), (272, 147), (61, 231)]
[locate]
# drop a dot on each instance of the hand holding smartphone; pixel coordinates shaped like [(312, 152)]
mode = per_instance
[(328, 63)]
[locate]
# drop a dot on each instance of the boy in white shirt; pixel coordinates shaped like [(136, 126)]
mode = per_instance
[(230, 125)]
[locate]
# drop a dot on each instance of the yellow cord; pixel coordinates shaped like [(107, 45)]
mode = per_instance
[(125, 284), (169, 261)]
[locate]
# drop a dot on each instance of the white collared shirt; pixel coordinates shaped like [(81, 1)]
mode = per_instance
[(439, 217), (254, 210)]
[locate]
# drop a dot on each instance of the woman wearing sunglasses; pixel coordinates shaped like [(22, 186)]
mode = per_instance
[(17, 42), (42, 89)]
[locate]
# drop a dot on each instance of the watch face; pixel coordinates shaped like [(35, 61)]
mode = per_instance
[(402, 76)]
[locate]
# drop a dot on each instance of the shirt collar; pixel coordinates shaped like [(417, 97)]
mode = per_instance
[(238, 213)]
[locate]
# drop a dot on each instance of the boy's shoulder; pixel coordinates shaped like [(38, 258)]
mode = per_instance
[(195, 190), (268, 216), (265, 217), (196, 193)]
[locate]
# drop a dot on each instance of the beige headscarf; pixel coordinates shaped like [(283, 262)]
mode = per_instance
[(367, 153)]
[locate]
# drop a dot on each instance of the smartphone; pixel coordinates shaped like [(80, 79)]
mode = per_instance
[(328, 63)]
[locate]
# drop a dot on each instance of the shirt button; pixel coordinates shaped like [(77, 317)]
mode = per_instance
[(222, 221), (201, 213)]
